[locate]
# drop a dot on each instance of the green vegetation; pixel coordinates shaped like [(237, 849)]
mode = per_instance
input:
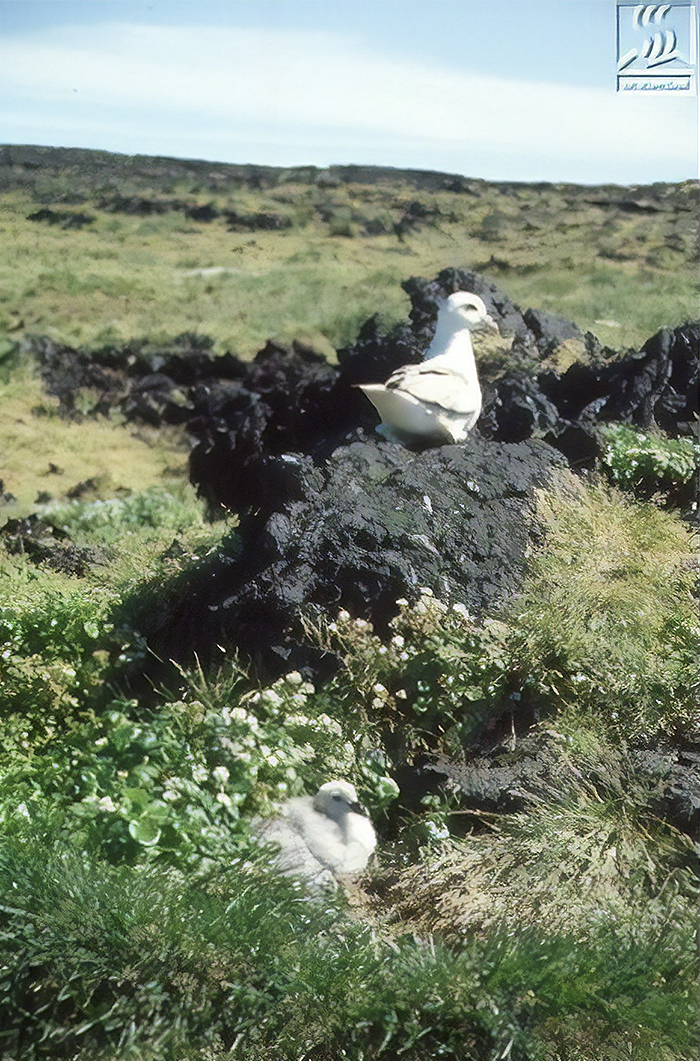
[(610, 623), (110, 963), (649, 463), (606, 623), (147, 265), (43, 453), (127, 857), (138, 916)]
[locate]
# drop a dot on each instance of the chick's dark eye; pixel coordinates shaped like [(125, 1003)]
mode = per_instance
[(337, 797)]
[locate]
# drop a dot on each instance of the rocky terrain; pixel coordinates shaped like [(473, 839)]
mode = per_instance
[(334, 517)]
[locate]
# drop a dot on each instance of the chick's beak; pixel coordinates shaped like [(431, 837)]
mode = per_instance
[(358, 808)]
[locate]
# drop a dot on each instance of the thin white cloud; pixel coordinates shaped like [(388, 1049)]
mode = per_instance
[(325, 85)]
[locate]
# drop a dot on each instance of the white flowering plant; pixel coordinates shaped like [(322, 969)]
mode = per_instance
[(434, 682), (52, 647), (178, 784)]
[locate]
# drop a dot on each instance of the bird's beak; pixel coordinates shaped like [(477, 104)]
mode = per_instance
[(488, 325), (358, 808)]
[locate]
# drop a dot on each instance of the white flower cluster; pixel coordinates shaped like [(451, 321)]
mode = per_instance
[(427, 617), (288, 691), (239, 717)]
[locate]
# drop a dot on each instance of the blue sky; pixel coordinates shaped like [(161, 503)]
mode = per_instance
[(499, 89)]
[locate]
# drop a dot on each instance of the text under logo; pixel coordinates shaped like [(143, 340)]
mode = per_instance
[(657, 47)]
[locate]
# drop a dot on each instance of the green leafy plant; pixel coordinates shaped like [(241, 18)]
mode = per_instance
[(165, 510), (178, 783), (52, 646), (435, 682), (649, 464)]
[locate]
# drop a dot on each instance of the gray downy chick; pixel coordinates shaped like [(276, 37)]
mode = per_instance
[(321, 838)]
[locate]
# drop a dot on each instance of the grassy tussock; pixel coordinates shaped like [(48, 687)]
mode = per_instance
[(587, 856), (608, 615)]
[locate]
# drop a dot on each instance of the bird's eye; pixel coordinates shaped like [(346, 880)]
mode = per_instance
[(337, 797)]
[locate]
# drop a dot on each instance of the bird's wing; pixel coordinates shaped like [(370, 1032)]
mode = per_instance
[(405, 373), (405, 414), (436, 386)]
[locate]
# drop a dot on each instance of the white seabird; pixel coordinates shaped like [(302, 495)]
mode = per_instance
[(440, 399), (323, 837)]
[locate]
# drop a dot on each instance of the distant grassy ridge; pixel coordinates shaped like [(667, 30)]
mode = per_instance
[(311, 253)]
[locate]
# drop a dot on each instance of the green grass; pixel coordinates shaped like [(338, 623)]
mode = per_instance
[(125, 276), (607, 618), (637, 299), (101, 962), (539, 936), (46, 454)]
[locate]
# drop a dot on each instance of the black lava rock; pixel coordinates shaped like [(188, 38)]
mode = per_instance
[(549, 329), (370, 524), (286, 401), (663, 373), (64, 218), (509, 777), (264, 221), (139, 379), (291, 400), (43, 543)]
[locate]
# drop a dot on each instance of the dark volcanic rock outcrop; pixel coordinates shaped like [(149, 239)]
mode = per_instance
[(147, 382), (655, 387), (290, 400), (286, 401), (372, 523), (43, 543), (333, 517), (64, 218), (507, 777)]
